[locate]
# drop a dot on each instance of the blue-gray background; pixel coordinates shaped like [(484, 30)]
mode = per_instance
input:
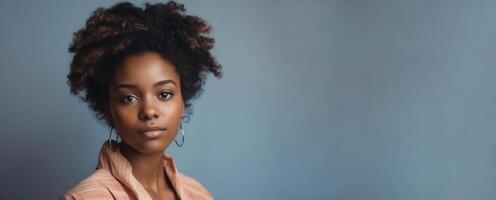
[(320, 100)]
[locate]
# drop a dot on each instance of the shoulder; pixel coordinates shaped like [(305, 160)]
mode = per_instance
[(193, 188), (96, 186)]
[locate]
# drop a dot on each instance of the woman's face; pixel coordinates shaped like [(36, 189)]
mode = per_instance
[(145, 95)]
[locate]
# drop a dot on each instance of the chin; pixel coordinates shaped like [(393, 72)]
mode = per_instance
[(151, 146)]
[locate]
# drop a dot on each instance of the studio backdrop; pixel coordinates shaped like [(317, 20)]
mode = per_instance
[(348, 99)]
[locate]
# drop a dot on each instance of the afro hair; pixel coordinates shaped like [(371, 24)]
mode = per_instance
[(124, 29)]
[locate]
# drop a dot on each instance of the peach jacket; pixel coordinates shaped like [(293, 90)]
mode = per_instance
[(113, 179)]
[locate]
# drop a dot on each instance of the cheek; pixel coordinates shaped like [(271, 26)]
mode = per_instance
[(172, 111), (123, 115), (173, 107)]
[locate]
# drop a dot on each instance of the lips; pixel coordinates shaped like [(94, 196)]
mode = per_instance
[(152, 132)]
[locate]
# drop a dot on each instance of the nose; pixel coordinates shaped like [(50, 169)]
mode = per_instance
[(148, 110)]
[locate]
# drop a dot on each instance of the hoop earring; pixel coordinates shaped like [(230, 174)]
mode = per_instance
[(110, 136), (182, 133)]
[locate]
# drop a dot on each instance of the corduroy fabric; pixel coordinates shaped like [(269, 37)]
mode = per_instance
[(113, 179)]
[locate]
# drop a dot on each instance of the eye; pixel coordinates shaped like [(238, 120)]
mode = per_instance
[(165, 95), (127, 99)]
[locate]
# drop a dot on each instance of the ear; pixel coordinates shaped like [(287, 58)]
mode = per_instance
[(182, 114), (108, 116)]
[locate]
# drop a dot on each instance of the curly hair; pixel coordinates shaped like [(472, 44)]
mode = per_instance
[(113, 33)]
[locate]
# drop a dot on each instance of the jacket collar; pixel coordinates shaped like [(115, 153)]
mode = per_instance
[(111, 159)]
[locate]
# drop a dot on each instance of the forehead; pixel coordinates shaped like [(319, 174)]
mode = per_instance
[(145, 69)]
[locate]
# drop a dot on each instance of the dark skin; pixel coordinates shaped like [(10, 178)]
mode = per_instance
[(146, 92)]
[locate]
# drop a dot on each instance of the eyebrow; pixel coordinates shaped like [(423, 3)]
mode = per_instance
[(131, 86)]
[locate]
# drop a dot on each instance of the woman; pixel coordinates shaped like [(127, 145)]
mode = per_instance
[(139, 68)]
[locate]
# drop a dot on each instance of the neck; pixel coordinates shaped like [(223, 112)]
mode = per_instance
[(147, 168)]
